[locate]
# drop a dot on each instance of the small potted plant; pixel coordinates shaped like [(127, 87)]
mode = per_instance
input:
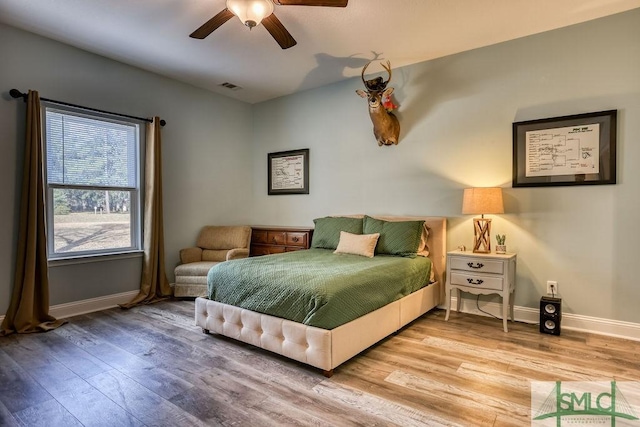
[(501, 248)]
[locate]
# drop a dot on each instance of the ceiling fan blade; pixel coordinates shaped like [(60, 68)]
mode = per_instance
[(326, 3), (278, 32), (212, 24)]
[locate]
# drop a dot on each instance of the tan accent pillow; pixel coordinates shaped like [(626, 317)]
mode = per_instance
[(357, 244)]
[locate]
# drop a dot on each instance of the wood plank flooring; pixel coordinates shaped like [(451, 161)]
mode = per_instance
[(150, 366)]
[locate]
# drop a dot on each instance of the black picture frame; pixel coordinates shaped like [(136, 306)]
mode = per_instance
[(538, 163), (288, 172)]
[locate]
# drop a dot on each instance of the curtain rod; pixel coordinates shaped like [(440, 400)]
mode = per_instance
[(15, 93)]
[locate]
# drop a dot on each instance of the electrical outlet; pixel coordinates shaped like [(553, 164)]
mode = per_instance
[(552, 287)]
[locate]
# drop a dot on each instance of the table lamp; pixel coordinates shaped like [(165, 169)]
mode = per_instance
[(482, 201)]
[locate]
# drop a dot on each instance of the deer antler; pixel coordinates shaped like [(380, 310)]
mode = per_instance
[(378, 83), (363, 70), (388, 68)]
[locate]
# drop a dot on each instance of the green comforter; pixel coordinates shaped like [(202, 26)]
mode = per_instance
[(316, 287)]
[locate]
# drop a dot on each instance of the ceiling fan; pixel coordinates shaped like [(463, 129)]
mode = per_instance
[(252, 12)]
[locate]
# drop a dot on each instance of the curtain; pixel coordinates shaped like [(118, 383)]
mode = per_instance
[(29, 308), (154, 285)]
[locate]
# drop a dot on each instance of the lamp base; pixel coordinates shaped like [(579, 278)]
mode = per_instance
[(482, 235)]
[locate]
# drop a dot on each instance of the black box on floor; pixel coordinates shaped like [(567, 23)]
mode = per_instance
[(550, 315)]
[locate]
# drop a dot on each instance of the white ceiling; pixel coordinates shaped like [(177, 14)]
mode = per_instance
[(333, 43)]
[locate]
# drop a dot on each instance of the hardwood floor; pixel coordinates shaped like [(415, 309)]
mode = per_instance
[(151, 366)]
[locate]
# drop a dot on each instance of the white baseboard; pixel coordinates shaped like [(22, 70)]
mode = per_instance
[(76, 308), (61, 311), (576, 322)]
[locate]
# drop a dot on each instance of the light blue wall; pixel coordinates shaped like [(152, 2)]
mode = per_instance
[(456, 115), (206, 150)]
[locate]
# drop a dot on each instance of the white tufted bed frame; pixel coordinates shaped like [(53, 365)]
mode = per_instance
[(322, 348)]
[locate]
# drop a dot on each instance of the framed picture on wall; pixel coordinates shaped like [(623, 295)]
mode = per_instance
[(288, 172), (568, 150)]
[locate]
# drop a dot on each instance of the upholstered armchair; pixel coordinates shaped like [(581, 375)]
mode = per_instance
[(215, 244)]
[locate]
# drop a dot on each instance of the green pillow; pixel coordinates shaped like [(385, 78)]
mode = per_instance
[(326, 233), (396, 238)]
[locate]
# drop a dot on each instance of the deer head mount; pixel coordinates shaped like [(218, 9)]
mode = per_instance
[(386, 127)]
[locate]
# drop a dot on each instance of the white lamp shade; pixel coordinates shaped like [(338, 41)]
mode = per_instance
[(482, 201), (250, 12)]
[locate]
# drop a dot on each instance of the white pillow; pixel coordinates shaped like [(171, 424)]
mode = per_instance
[(357, 244)]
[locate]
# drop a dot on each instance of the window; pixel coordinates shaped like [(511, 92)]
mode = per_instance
[(92, 183)]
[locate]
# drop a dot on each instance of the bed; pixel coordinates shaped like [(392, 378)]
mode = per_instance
[(314, 337)]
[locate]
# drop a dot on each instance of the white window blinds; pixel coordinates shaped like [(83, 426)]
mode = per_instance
[(87, 152)]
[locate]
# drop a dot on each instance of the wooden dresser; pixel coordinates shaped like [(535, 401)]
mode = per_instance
[(276, 240)]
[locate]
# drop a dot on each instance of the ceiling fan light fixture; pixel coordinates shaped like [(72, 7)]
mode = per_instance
[(250, 12)]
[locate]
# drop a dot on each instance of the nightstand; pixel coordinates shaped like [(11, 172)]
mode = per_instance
[(482, 274)]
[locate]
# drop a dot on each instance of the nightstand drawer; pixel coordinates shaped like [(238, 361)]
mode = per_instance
[(477, 281), (477, 265)]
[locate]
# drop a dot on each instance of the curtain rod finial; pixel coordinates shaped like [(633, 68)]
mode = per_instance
[(15, 93), (163, 122)]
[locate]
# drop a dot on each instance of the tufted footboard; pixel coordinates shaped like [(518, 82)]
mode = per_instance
[(322, 348), (303, 343)]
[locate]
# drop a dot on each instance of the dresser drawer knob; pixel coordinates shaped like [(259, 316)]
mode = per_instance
[(475, 282), (476, 266), (296, 239)]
